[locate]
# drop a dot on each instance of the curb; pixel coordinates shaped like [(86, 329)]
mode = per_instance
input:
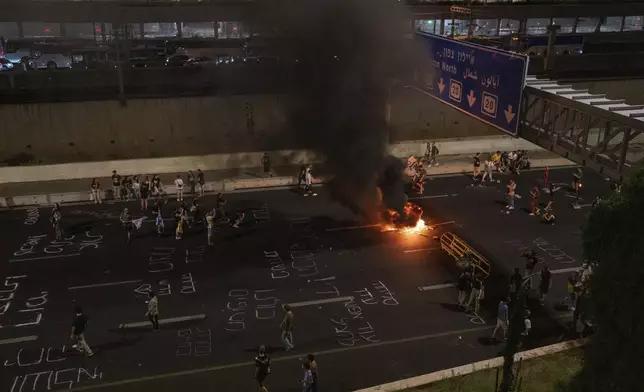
[(234, 185), (441, 375)]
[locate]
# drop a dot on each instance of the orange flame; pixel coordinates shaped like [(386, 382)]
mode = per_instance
[(411, 222)]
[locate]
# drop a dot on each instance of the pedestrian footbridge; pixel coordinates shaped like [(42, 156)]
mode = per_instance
[(604, 134)]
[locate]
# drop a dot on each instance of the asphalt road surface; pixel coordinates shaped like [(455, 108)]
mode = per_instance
[(374, 306)]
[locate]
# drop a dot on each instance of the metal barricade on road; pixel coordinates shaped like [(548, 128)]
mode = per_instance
[(464, 254)]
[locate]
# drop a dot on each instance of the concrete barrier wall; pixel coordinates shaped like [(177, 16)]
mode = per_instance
[(148, 128), (631, 90), (68, 171)]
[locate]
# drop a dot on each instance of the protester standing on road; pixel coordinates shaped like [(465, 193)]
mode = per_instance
[(474, 303), (153, 310), (157, 187), (78, 332), (287, 328), (262, 368), (512, 186), (433, 155), (516, 280), (126, 220), (56, 222), (220, 202), (544, 283), (159, 219), (192, 183), (116, 185), (502, 319), (534, 204), (314, 372), (464, 285), (200, 181), (477, 166), (210, 217), (145, 193), (96, 191), (179, 184), (136, 187), (307, 379), (179, 218), (487, 174), (308, 181), (266, 163)]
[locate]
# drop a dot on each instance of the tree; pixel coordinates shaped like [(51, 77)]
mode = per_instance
[(613, 241)]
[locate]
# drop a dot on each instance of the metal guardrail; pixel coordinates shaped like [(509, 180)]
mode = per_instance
[(464, 254)]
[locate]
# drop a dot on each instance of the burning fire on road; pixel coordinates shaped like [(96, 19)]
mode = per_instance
[(410, 221)]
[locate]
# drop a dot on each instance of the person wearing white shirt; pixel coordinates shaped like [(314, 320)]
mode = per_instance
[(179, 184), (308, 181)]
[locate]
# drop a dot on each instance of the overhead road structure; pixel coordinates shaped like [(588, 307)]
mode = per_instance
[(141, 11), (603, 134)]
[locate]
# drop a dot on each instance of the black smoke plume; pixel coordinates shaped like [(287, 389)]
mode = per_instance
[(347, 54)]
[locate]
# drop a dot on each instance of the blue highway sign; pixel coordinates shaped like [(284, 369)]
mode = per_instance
[(484, 82)]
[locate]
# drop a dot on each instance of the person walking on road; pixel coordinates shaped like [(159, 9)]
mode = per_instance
[(179, 184), (153, 311), (200, 181), (544, 284), (487, 172), (56, 222), (464, 285), (474, 303), (307, 379), (314, 372), (116, 185), (95, 188), (477, 166), (502, 319), (78, 332), (287, 328), (512, 186), (266, 163), (262, 368)]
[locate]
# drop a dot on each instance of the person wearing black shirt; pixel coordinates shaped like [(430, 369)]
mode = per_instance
[(516, 280), (126, 220), (200, 181), (78, 332), (314, 372), (545, 283), (266, 163), (477, 166), (220, 203), (145, 193), (464, 286), (262, 368), (116, 185), (56, 222), (156, 185)]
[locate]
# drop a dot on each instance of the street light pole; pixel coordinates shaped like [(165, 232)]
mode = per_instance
[(514, 336)]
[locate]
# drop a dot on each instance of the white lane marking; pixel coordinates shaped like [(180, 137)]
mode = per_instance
[(566, 270), (44, 257), (19, 340), (441, 224), (320, 301), (436, 287), (352, 227), (325, 279), (422, 250), (104, 284), (164, 321), (431, 197)]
